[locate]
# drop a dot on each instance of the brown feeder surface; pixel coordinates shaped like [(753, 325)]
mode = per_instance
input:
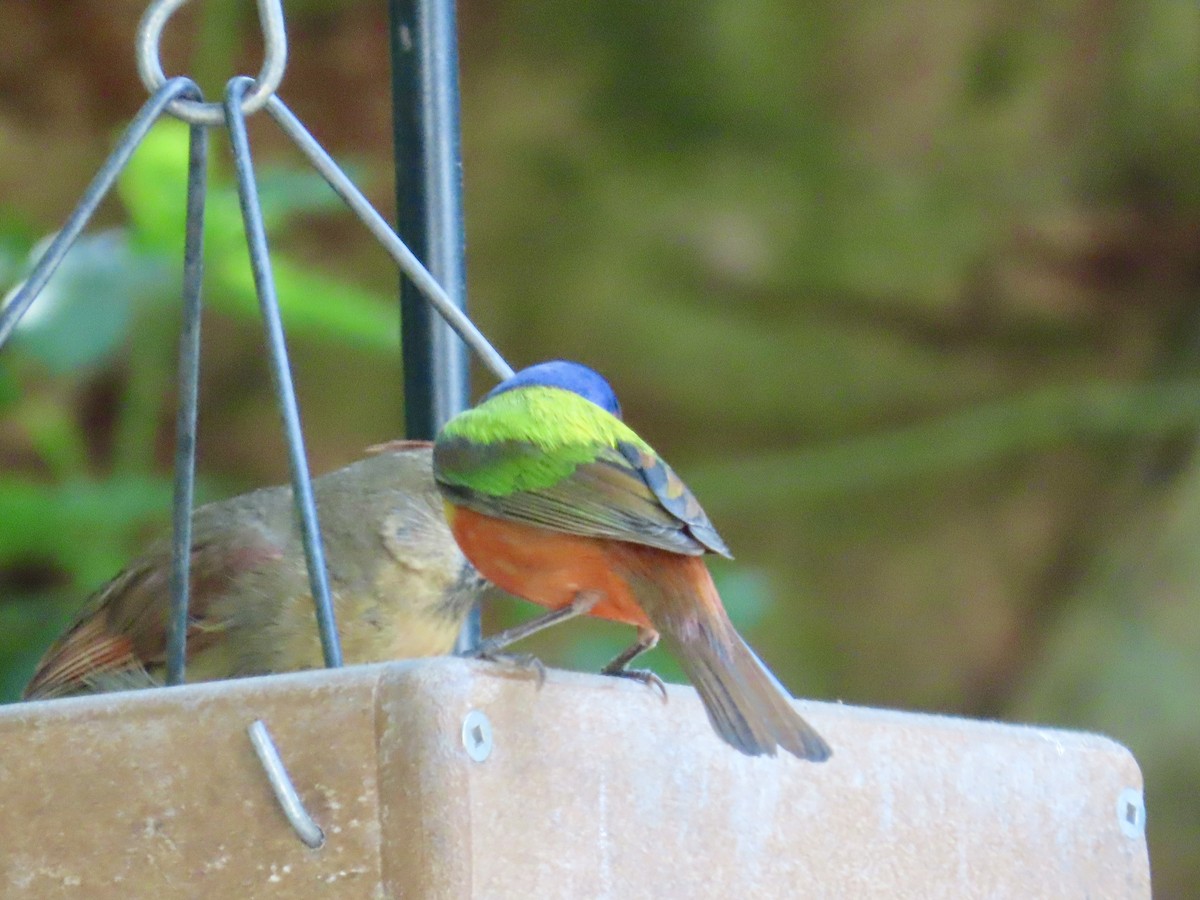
[(446, 778)]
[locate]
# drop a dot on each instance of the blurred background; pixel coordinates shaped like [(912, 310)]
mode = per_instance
[(909, 293)]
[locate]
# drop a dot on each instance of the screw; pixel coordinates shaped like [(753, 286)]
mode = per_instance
[(477, 735), (1131, 813)]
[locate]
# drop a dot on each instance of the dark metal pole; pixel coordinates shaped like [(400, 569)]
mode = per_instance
[(430, 214)]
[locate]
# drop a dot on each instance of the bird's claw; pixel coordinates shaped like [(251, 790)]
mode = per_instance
[(645, 676), (524, 661)]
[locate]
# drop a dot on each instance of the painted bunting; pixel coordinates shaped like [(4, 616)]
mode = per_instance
[(401, 587), (556, 500)]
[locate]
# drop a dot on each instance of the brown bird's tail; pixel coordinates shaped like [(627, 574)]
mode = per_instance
[(746, 704)]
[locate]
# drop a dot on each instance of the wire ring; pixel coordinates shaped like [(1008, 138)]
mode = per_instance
[(149, 66)]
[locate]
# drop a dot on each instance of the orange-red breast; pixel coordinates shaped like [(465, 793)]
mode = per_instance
[(556, 500), (401, 587)]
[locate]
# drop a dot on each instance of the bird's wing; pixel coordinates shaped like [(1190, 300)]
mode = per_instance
[(122, 629), (623, 492), (674, 495)]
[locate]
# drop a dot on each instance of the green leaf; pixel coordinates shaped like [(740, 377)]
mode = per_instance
[(286, 192), (84, 313), (153, 186), (72, 522), (312, 305)]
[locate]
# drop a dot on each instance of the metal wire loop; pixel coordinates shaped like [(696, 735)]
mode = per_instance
[(149, 66)]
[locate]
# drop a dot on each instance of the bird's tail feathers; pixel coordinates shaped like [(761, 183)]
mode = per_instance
[(745, 703), (747, 706)]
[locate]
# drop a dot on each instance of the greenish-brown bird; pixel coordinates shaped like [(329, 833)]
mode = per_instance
[(401, 587)]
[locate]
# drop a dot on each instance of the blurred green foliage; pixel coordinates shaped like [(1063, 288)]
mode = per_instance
[(909, 293)]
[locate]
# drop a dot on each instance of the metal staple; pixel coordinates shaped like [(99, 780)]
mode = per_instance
[(281, 784)]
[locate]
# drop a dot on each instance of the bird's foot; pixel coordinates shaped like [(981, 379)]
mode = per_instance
[(645, 676), (527, 662)]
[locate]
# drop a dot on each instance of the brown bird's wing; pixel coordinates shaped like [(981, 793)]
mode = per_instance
[(121, 631)]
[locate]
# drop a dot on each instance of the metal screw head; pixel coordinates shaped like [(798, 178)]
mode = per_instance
[(477, 735), (1131, 813)]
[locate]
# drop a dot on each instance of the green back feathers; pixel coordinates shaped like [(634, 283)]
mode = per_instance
[(525, 440), (547, 457), (547, 417)]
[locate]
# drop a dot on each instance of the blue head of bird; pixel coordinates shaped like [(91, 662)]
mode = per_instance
[(570, 376)]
